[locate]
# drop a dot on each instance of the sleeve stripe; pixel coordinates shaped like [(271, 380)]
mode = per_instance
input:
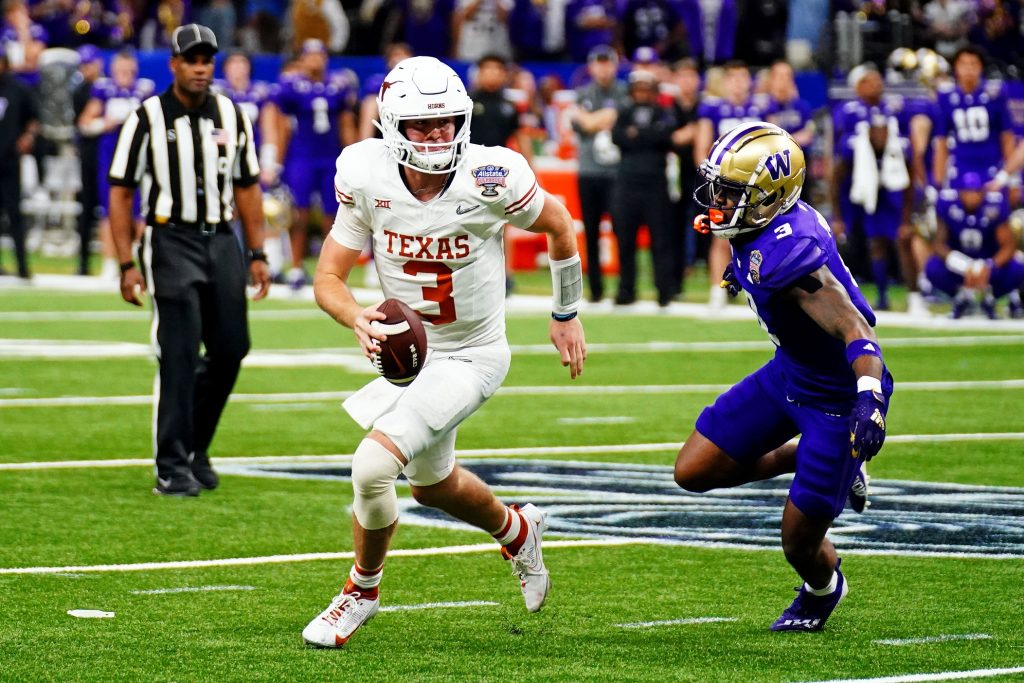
[(122, 153), (522, 202)]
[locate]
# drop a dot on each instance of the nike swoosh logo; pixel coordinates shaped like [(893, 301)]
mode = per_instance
[(460, 210)]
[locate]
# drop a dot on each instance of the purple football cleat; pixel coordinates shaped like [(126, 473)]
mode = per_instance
[(809, 612)]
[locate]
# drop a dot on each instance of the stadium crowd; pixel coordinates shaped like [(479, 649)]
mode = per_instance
[(915, 152)]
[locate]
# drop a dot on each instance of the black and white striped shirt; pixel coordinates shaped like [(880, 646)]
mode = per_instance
[(192, 157)]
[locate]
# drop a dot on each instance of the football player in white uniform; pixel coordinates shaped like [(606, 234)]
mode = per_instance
[(434, 206)]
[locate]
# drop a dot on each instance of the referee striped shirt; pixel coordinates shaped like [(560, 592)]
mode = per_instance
[(187, 160)]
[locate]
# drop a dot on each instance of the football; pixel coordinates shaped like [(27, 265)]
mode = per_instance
[(403, 353)]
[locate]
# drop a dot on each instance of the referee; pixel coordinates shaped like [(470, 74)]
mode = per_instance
[(195, 150)]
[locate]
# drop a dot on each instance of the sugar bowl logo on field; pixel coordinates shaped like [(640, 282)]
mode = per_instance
[(612, 500)]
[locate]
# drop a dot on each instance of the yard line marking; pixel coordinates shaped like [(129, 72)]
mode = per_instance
[(438, 605), (302, 557), (596, 390), (933, 639), (64, 349), (608, 420), (192, 589), (474, 452), (675, 622), (939, 676)]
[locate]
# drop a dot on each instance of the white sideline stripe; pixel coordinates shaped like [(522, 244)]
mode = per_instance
[(66, 349), (946, 637), (192, 589), (608, 420), (438, 605), (598, 390), (940, 676), (474, 452), (302, 557), (676, 622)]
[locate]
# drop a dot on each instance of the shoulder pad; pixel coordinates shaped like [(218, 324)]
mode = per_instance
[(791, 260), (945, 88), (995, 197)]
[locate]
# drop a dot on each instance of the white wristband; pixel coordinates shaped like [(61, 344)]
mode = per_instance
[(566, 285), (958, 262), (1002, 178), (869, 383), (268, 156)]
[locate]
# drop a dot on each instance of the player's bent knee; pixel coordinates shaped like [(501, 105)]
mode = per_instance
[(692, 471), (374, 471)]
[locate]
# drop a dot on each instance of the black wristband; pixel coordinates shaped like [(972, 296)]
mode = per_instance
[(126, 266), (563, 317), (257, 255)]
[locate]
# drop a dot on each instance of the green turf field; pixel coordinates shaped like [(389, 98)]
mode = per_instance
[(950, 480)]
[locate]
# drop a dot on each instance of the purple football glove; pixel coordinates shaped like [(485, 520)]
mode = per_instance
[(867, 425), (729, 283)]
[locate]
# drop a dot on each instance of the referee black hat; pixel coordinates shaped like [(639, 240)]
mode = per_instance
[(193, 37)]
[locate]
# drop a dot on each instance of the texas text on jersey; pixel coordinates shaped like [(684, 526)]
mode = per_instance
[(443, 258)]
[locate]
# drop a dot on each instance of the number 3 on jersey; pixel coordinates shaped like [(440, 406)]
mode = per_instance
[(440, 294)]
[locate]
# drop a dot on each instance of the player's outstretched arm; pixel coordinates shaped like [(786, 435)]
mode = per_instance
[(821, 296), (567, 283), (335, 298)]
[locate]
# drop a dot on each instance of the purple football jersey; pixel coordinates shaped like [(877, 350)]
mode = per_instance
[(725, 115), (796, 244), (250, 100), (315, 108), (791, 116), (118, 103), (973, 233), (579, 37), (849, 114), (973, 124)]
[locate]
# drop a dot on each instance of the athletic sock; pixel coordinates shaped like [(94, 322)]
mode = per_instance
[(512, 533), (365, 581), (880, 275), (827, 590)]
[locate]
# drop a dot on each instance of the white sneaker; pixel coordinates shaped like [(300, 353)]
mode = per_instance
[(916, 305), (336, 624), (528, 563)]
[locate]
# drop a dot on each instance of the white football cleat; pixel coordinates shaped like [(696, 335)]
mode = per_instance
[(336, 624), (528, 563)]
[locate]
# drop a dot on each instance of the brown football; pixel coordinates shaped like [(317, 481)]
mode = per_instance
[(403, 353)]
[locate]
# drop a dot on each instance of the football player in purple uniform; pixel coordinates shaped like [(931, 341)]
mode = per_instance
[(321, 106), (715, 118), (973, 131), (826, 382), (252, 97), (112, 100), (975, 251), (881, 196), (791, 112)]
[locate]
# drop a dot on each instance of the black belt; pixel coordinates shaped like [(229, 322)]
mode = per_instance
[(201, 228)]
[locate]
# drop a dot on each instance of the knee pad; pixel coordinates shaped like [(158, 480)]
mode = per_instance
[(374, 471)]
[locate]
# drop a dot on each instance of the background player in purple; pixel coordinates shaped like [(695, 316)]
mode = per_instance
[(875, 166), (827, 381), (790, 112), (973, 131), (112, 100), (588, 24), (715, 118), (252, 97), (317, 119), (23, 41), (974, 249)]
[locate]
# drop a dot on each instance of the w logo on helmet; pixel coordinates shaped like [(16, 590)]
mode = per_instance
[(778, 164)]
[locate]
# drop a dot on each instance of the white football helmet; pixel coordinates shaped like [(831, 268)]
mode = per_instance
[(424, 88)]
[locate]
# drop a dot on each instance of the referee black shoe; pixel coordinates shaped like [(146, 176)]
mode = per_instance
[(203, 472), (176, 485)]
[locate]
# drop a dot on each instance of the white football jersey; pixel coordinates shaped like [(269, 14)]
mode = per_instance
[(444, 258)]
